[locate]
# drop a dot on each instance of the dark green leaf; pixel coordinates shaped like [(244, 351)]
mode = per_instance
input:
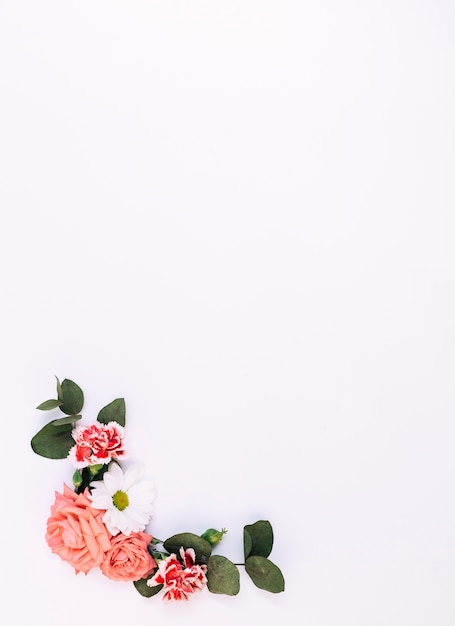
[(258, 539), (247, 542), (73, 398), (201, 547), (113, 412), (144, 589), (88, 477), (265, 574), (222, 576), (59, 390), (53, 443), (48, 405), (63, 421)]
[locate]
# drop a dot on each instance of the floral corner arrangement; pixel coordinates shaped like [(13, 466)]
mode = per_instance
[(101, 520)]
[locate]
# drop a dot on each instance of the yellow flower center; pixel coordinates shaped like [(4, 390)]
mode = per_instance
[(120, 500)]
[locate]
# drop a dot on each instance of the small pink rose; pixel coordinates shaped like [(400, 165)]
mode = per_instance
[(128, 557)]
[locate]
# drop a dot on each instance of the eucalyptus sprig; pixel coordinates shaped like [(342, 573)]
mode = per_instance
[(222, 574), (54, 440)]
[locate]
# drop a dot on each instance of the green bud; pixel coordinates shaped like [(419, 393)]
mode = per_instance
[(77, 479), (94, 469), (213, 536)]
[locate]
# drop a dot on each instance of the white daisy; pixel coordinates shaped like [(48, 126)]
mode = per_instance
[(127, 498)]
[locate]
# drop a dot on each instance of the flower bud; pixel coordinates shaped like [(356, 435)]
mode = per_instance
[(94, 469), (213, 536), (77, 479)]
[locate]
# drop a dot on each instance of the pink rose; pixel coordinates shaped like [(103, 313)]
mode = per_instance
[(97, 443), (128, 557), (76, 532), (180, 579)]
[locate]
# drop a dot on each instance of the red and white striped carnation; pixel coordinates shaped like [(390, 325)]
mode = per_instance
[(97, 444), (180, 578)]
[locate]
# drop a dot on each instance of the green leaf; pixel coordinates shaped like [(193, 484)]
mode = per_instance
[(144, 589), (48, 405), (265, 574), (63, 421), (88, 477), (113, 412), (59, 389), (73, 398), (258, 539), (247, 542), (222, 576), (201, 547), (53, 443)]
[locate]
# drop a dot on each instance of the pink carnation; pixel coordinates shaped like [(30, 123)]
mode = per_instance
[(179, 580), (128, 558), (97, 443), (76, 532)]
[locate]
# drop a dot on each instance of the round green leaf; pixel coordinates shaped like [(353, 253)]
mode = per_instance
[(247, 542), (201, 547), (113, 412), (73, 398), (59, 389), (258, 539), (265, 574), (222, 576), (52, 442), (144, 589)]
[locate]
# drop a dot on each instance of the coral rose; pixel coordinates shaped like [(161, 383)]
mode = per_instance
[(76, 532), (128, 557)]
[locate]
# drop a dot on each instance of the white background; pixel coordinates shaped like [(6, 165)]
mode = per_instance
[(239, 215)]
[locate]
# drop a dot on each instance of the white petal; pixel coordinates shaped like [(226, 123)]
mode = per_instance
[(101, 501), (132, 476), (111, 483)]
